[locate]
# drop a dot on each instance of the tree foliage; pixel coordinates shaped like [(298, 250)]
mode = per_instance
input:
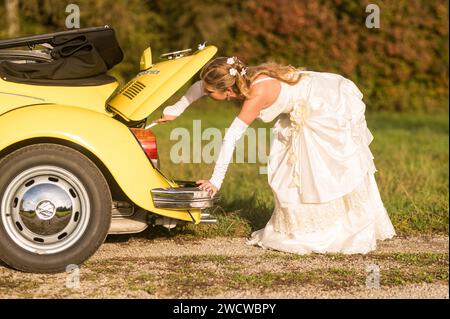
[(401, 66)]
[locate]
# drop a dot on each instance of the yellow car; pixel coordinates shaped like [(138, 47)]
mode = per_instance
[(76, 161)]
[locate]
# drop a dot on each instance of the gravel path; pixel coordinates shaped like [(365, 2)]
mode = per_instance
[(236, 247), (414, 267)]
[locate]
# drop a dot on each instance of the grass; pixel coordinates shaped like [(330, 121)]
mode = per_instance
[(411, 155), (331, 278), (418, 259)]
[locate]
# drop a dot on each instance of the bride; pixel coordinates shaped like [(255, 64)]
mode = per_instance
[(320, 168)]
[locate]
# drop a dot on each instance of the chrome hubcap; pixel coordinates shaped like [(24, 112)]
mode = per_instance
[(45, 209)]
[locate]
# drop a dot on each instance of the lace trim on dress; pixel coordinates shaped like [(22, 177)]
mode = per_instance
[(307, 218), (310, 218)]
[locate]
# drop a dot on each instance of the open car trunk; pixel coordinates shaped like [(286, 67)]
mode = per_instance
[(143, 95)]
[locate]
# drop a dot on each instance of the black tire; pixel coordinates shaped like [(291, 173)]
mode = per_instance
[(96, 221)]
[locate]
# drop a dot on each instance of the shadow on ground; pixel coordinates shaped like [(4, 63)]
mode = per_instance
[(236, 218)]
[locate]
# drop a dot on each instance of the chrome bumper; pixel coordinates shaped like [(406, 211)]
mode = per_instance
[(186, 196)]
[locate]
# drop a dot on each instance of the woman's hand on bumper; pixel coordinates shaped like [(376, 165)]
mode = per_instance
[(207, 186)]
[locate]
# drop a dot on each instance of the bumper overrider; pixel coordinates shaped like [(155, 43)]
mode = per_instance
[(186, 196)]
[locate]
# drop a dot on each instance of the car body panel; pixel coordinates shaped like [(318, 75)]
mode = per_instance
[(14, 95), (152, 87), (108, 139)]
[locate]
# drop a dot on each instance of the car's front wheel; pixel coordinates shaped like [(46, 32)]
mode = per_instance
[(55, 208)]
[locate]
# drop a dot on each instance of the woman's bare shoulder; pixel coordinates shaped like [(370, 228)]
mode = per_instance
[(266, 92), (261, 86), (259, 79)]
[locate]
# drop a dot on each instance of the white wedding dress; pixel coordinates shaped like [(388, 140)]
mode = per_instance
[(321, 171)]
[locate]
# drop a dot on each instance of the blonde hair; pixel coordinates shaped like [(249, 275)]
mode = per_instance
[(216, 74)]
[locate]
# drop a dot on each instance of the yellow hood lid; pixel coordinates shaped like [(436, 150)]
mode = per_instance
[(151, 88)]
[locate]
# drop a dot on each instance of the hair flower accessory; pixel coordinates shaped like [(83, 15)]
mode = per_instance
[(233, 71), (231, 60), (202, 46), (244, 71)]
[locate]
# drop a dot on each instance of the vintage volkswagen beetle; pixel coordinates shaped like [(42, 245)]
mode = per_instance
[(76, 161)]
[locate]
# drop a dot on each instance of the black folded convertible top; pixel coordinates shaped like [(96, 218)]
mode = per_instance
[(76, 54)]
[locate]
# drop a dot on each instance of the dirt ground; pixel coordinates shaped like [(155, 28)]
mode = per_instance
[(413, 267)]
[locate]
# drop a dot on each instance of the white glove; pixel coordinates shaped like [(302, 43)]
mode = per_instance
[(233, 134), (193, 93)]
